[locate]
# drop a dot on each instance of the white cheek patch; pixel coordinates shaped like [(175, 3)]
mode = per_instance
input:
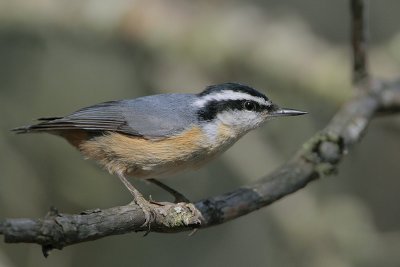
[(240, 119), (228, 95)]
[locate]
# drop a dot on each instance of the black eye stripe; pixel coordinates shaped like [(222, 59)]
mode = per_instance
[(212, 108)]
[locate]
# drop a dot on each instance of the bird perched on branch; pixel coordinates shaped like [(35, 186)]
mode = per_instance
[(160, 135)]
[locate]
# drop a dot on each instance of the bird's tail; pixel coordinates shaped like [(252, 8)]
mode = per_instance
[(44, 126)]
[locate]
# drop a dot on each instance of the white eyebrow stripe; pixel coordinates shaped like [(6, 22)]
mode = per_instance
[(228, 95)]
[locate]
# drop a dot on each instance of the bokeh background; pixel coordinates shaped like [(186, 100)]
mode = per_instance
[(57, 56)]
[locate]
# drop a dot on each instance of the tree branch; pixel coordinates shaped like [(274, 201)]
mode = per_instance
[(359, 34), (390, 99), (318, 157)]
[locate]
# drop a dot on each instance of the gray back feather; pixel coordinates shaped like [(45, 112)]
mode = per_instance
[(159, 115), (150, 116)]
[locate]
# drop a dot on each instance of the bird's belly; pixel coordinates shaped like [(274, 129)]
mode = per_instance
[(166, 169), (143, 158)]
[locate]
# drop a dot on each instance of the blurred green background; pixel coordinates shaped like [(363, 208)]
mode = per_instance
[(58, 56)]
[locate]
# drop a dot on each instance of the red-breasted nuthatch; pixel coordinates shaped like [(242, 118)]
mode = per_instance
[(160, 135)]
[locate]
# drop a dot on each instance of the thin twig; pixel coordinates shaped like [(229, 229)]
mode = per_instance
[(359, 35)]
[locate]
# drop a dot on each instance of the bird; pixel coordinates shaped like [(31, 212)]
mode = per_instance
[(156, 136)]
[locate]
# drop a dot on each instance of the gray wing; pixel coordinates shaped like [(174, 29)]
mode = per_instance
[(151, 116), (160, 115)]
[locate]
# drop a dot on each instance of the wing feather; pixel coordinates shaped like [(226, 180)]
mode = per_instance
[(107, 116), (152, 116)]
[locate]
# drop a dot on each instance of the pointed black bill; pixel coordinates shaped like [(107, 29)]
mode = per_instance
[(286, 112)]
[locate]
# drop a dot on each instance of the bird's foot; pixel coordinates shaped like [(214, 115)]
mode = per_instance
[(145, 205), (140, 201)]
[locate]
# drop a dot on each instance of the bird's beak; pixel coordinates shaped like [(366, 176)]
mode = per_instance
[(280, 112)]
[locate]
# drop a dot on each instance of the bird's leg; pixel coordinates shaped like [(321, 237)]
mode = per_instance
[(178, 196), (138, 199)]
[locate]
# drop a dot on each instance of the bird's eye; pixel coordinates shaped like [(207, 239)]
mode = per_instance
[(249, 105)]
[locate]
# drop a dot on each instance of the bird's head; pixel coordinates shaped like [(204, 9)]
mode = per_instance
[(238, 106)]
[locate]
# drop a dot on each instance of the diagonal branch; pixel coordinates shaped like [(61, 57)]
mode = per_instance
[(359, 34), (318, 157)]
